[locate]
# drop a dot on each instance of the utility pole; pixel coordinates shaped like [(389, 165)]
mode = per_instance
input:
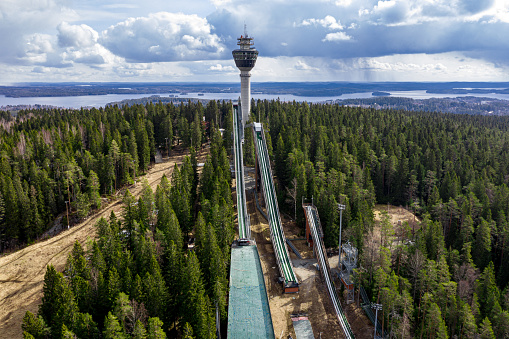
[(134, 170), (67, 210), (341, 207), (377, 307)]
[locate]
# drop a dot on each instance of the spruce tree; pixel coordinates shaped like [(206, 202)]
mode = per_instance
[(112, 328), (485, 330)]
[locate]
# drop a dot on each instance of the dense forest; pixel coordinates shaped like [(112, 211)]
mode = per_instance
[(462, 105), (445, 277), (137, 280), (56, 161)]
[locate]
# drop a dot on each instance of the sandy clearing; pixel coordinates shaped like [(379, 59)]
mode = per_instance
[(396, 214), (22, 272)]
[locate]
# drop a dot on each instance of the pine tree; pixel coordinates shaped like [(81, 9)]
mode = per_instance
[(139, 331), (143, 146), (114, 285), (179, 197), (435, 325), (93, 190), (501, 324), (130, 215), (82, 204), (482, 245), (58, 305), (155, 330), (187, 332), (488, 292), (35, 326), (122, 309), (485, 330), (112, 328), (137, 289), (174, 275), (155, 290), (66, 333), (195, 306), (145, 206), (85, 327)]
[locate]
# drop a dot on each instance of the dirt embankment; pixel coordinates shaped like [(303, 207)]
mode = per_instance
[(22, 272)]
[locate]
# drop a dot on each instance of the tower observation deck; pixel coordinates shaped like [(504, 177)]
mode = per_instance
[(245, 59)]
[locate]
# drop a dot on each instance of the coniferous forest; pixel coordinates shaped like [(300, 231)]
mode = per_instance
[(446, 277)]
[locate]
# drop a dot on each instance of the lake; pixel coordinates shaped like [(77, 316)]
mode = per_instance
[(102, 100)]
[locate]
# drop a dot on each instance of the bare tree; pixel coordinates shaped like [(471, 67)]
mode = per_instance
[(292, 192), (137, 312), (370, 254), (415, 264), (466, 276)]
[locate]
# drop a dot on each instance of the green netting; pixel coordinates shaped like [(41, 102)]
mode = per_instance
[(248, 309)]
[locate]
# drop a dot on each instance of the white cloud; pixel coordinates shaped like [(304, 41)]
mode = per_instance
[(391, 12), (343, 3), (40, 69), (109, 39), (328, 22), (221, 68), (219, 3), (40, 43), (120, 6), (384, 5), (363, 12), (163, 36), (302, 66), (78, 36), (337, 36), (21, 20)]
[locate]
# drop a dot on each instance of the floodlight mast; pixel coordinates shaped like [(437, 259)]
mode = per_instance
[(245, 59), (341, 207)]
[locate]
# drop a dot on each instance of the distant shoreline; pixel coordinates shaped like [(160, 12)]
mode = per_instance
[(309, 89)]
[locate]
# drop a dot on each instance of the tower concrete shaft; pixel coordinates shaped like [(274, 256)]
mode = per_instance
[(245, 95), (245, 59)]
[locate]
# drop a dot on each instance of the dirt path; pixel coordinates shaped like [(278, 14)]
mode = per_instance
[(22, 272)]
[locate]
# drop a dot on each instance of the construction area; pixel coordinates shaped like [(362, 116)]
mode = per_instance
[(312, 300)]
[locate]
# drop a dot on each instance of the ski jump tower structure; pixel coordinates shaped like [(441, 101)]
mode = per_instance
[(245, 58)]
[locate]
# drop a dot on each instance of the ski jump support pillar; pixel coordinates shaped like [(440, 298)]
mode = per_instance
[(309, 238)]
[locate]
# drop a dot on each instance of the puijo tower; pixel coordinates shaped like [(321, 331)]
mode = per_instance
[(245, 59)]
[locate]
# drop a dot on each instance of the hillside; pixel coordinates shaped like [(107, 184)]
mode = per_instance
[(22, 272)]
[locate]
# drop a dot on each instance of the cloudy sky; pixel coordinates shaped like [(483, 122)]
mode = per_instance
[(298, 40)]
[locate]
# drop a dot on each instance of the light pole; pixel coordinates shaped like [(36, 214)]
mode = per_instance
[(341, 207), (377, 307), (67, 210)]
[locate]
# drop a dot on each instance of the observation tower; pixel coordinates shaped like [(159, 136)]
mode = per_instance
[(245, 59)]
